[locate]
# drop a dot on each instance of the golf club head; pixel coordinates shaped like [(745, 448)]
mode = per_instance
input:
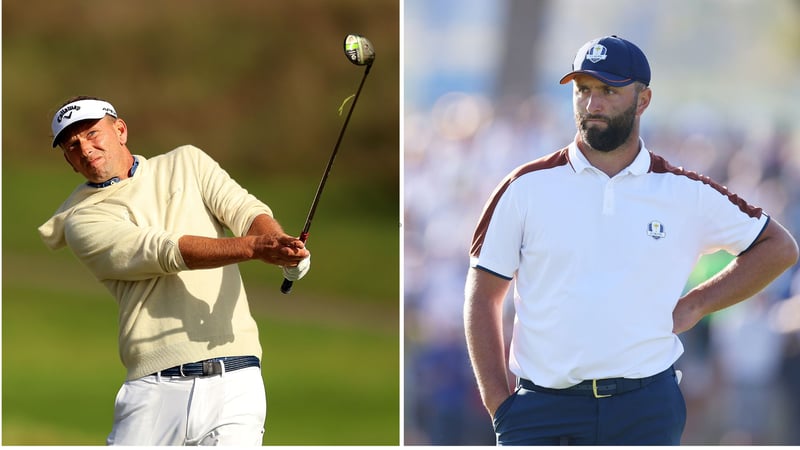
[(359, 50)]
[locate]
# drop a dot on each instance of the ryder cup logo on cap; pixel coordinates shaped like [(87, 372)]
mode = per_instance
[(612, 60), (597, 53), (77, 111)]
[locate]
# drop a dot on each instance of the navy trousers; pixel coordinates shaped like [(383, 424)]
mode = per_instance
[(652, 415)]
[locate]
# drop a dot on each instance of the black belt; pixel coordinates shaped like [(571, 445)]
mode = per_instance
[(209, 367), (599, 388)]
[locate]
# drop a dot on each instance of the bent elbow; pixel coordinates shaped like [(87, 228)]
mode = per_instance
[(787, 253), (783, 248)]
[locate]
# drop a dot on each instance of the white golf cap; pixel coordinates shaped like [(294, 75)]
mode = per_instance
[(79, 110)]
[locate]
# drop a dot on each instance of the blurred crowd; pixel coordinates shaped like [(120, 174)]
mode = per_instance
[(741, 367)]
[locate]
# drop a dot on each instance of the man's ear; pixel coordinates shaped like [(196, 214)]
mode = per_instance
[(122, 131), (643, 101)]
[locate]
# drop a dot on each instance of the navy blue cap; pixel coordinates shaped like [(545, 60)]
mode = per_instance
[(612, 60)]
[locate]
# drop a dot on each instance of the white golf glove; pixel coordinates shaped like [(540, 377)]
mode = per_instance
[(299, 271)]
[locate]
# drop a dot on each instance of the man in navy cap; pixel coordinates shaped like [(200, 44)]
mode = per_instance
[(599, 239)]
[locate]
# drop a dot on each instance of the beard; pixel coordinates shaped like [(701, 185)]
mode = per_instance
[(618, 129)]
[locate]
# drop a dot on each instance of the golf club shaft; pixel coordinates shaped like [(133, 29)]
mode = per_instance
[(286, 286)]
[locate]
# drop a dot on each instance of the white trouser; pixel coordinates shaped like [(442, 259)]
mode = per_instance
[(227, 409)]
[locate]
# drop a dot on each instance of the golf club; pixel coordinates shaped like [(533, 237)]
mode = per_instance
[(360, 52)]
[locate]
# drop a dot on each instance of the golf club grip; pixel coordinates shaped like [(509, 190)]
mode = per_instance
[(286, 286)]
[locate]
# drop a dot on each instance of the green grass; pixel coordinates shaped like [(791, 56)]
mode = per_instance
[(60, 365), (331, 348), (327, 382), (342, 384)]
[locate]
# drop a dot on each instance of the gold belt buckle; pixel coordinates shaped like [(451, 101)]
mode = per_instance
[(594, 390)]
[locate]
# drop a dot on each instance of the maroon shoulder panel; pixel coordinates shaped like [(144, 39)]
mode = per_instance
[(550, 161), (659, 165)]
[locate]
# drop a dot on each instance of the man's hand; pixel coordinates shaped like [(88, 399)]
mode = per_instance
[(279, 249), (273, 246)]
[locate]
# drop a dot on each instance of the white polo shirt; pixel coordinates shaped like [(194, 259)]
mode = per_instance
[(599, 263)]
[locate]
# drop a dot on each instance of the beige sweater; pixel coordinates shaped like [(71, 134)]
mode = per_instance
[(127, 235)]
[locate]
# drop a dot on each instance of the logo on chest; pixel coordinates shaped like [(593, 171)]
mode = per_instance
[(655, 230)]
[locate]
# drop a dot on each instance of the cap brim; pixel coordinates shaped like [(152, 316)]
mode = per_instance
[(607, 78), (78, 111), (83, 119)]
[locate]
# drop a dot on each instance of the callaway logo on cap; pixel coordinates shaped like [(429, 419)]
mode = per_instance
[(79, 110), (612, 60)]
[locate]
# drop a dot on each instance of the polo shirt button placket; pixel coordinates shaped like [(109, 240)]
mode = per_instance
[(608, 198)]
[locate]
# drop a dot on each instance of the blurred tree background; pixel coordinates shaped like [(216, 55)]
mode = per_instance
[(257, 85)]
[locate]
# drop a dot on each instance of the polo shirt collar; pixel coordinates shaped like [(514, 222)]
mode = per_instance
[(639, 166)]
